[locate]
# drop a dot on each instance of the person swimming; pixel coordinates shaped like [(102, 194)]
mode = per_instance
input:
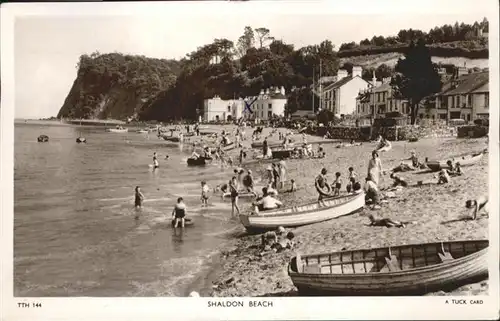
[(179, 212)]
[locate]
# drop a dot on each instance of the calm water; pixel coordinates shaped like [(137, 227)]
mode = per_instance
[(75, 232)]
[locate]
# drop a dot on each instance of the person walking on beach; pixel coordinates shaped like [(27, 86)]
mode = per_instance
[(179, 212), (139, 197), (233, 189), (321, 183), (374, 168), (204, 193), (270, 175)]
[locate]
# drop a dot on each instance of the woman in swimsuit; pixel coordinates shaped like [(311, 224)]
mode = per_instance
[(179, 212), (233, 188)]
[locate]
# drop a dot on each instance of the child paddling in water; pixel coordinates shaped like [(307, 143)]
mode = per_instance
[(179, 212), (139, 197), (204, 193)]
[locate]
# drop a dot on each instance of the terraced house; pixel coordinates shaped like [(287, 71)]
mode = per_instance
[(380, 100), (466, 96)]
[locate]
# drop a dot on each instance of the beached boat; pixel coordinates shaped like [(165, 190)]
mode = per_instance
[(174, 139), (399, 270), (284, 153), (118, 130), (466, 160), (272, 145), (310, 213), (199, 161)]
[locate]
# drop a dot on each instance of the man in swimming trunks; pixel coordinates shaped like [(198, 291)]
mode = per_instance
[(233, 188), (321, 183), (179, 212)]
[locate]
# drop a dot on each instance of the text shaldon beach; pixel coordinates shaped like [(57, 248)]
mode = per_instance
[(240, 304)]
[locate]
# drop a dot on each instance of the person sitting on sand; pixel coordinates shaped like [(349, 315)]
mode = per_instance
[(477, 205), (320, 150), (179, 212), (372, 192), (139, 197), (267, 202), (284, 243), (337, 184), (454, 171), (443, 177), (321, 183), (387, 222), (398, 181), (204, 193), (458, 169)]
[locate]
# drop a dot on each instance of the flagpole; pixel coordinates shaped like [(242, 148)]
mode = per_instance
[(320, 87), (313, 93)]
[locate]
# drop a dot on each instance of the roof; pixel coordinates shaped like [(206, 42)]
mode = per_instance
[(382, 88), (277, 96), (467, 83), (483, 89), (339, 83)]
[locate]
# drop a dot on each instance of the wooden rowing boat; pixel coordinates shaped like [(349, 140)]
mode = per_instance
[(200, 161), (310, 213), (398, 270), (466, 160), (174, 139), (118, 130)]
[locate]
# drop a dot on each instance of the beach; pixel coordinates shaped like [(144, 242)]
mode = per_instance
[(437, 213)]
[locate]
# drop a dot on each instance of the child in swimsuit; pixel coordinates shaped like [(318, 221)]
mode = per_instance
[(155, 161), (204, 193), (337, 184)]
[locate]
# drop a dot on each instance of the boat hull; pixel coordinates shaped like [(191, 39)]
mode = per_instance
[(441, 276), (464, 161), (200, 161), (288, 218), (112, 130)]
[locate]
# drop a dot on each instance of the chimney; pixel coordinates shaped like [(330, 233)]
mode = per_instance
[(374, 79), (357, 71), (282, 90), (462, 71), (267, 91), (261, 92), (386, 80), (341, 73)]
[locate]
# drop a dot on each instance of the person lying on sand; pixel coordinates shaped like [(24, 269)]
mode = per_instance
[(387, 222), (398, 181), (267, 202), (477, 205)]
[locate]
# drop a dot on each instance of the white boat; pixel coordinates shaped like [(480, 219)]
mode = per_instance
[(143, 131), (310, 213), (118, 130), (395, 270)]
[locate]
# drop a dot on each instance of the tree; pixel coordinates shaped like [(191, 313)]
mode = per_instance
[(246, 41), (416, 77), (383, 71), (263, 36), (325, 116)]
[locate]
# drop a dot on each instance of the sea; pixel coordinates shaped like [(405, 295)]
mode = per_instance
[(77, 233)]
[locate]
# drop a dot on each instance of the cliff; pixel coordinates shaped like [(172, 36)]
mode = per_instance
[(116, 86)]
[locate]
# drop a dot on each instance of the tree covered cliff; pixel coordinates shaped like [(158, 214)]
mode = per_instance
[(116, 85)]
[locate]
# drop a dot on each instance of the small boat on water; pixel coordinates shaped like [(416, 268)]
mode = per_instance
[(466, 160), (143, 131), (187, 222), (199, 161), (43, 138), (310, 213), (118, 129), (396, 270)]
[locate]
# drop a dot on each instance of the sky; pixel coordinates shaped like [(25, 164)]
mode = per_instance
[(47, 43)]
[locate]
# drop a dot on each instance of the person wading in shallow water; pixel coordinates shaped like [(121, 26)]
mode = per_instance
[(233, 188), (179, 212)]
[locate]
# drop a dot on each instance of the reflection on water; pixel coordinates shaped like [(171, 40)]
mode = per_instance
[(76, 231)]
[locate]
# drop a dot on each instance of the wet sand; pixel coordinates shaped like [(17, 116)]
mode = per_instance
[(437, 211)]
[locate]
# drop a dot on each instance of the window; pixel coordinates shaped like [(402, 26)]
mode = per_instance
[(442, 116), (486, 100), (270, 106), (469, 101), (468, 117)]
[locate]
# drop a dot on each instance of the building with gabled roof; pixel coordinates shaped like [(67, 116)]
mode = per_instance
[(340, 96)]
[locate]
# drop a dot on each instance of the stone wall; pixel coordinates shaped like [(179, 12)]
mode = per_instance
[(472, 131)]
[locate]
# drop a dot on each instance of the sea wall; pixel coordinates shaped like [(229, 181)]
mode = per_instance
[(472, 131)]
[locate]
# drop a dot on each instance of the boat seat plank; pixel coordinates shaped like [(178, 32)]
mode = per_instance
[(391, 264), (312, 268), (445, 257)]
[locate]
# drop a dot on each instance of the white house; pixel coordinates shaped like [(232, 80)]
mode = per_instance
[(340, 96), (379, 100), (269, 102)]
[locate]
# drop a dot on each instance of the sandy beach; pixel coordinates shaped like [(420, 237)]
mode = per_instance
[(437, 213)]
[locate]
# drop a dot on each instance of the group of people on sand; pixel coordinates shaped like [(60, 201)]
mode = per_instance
[(326, 190)]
